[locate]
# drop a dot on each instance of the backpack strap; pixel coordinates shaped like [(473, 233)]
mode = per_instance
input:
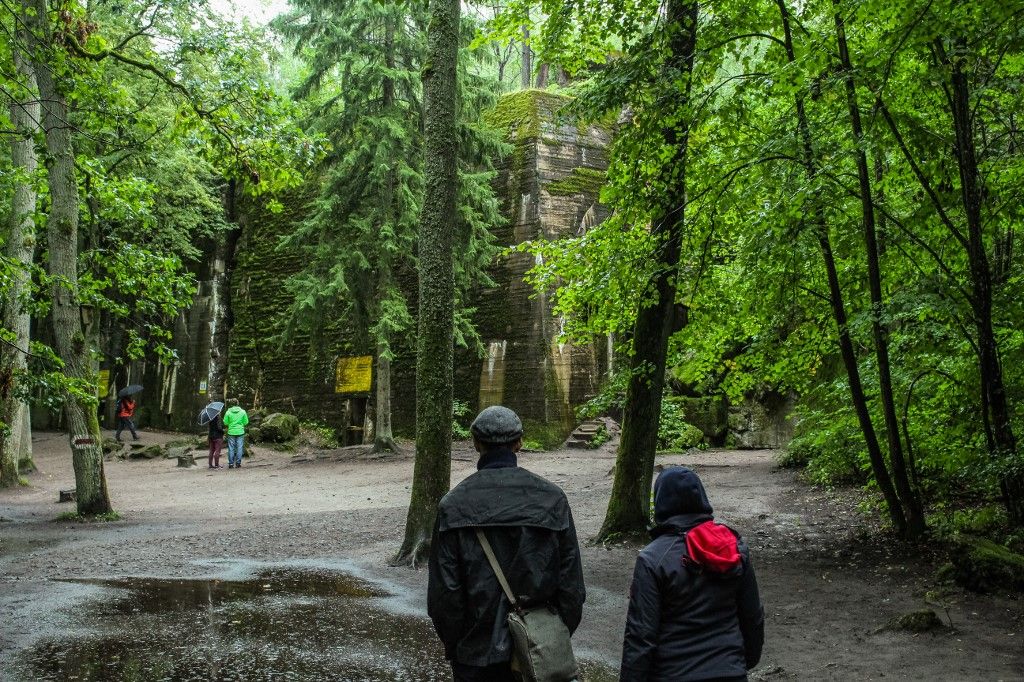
[(493, 561)]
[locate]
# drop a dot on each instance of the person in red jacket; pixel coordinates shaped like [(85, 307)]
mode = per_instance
[(125, 412), (694, 609)]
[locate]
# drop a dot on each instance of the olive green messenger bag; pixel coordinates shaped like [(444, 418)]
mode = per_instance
[(543, 648)]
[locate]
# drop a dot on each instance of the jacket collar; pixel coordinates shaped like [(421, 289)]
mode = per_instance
[(497, 458), (679, 524)]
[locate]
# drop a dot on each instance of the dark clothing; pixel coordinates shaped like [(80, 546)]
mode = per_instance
[(216, 429), (125, 423), (529, 525), (686, 621), (501, 672)]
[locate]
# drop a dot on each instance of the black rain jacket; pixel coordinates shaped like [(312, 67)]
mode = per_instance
[(529, 525), (684, 622)]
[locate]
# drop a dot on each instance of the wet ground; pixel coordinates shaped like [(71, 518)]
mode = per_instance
[(279, 571), (255, 623)]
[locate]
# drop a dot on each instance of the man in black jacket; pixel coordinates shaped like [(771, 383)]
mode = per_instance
[(694, 609), (528, 523)]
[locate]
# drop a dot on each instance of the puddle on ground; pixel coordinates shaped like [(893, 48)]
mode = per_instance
[(280, 624)]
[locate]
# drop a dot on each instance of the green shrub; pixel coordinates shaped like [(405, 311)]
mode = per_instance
[(460, 422), (673, 431)]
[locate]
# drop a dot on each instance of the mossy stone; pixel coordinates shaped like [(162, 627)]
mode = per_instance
[(582, 180), (924, 620), (984, 566)]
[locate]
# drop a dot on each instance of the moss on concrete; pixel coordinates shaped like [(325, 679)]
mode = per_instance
[(519, 114), (581, 181)]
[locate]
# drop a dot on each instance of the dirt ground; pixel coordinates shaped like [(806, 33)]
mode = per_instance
[(829, 580)]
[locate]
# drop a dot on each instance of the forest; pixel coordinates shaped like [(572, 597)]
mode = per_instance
[(813, 201)]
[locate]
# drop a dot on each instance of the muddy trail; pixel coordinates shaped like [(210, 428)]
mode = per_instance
[(278, 571)]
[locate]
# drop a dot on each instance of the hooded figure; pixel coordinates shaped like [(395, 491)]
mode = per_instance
[(694, 610)]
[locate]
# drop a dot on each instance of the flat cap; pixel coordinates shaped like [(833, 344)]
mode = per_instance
[(497, 424)]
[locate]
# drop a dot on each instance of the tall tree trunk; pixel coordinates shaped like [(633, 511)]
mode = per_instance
[(19, 248), (383, 438), (223, 315), (432, 470), (912, 508), (628, 511), (70, 336), (526, 74), (846, 349), (1002, 443)]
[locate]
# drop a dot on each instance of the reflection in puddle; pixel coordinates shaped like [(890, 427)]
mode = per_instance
[(277, 625)]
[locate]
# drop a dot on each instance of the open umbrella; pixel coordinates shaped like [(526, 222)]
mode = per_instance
[(210, 412), (129, 390)]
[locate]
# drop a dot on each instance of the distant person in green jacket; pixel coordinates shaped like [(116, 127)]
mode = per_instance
[(235, 420)]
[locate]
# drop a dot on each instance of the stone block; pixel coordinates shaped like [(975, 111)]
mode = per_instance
[(279, 427)]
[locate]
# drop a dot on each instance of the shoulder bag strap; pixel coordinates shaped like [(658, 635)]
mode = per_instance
[(493, 561)]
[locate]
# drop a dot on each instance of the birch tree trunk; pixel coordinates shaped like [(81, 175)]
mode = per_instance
[(432, 470), (70, 335), (19, 248)]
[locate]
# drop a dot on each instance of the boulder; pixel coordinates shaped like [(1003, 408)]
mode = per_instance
[(924, 620), (151, 451), (985, 566), (176, 451), (279, 427)]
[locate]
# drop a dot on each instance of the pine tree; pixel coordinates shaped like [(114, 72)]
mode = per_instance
[(363, 87)]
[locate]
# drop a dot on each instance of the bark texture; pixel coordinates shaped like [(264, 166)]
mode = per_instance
[(70, 336), (19, 247), (432, 470), (628, 511), (1002, 442)]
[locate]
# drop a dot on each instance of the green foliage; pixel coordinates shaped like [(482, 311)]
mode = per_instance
[(600, 437), (757, 301), (318, 435), (673, 432), (365, 97), (461, 419)]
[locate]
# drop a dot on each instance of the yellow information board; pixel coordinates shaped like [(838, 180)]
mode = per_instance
[(353, 375), (103, 383)]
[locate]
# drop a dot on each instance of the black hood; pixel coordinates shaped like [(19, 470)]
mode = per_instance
[(678, 491)]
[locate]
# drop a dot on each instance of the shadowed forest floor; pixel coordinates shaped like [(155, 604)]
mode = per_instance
[(279, 571)]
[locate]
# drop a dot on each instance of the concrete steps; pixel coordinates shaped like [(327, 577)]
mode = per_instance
[(583, 437)]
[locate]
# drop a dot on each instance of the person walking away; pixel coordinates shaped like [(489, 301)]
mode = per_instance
[(216, 442), (125, 412), (694, 609), (235, 420), (528, 523)]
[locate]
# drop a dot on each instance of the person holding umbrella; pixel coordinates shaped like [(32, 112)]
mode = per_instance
[(211, 415), (126, 410)]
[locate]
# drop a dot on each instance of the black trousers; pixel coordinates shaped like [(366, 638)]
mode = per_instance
[(500, 672), (125, 423)]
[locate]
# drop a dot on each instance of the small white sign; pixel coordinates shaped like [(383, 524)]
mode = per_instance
[(202, 388)]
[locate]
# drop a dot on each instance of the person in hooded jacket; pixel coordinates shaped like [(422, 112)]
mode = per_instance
[(529, 525), (694, 609)]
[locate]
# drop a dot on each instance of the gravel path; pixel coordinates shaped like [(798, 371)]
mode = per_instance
[(829, 580)]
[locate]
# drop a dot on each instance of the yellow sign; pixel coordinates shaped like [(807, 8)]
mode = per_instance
[(353, 375), (103, 382)]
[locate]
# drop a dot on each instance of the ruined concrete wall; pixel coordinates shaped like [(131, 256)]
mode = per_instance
[(549, 187)]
